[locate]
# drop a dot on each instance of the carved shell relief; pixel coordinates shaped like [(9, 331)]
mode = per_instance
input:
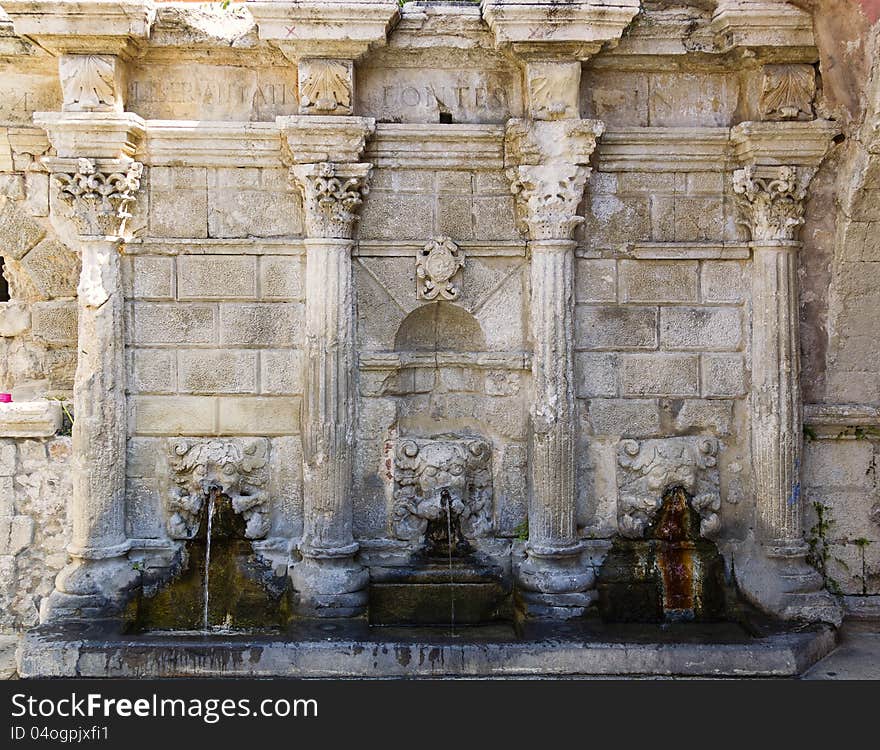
[(88, 82), (647, 468), (437, 270), (237, 468), (787, 92), (325, 86)]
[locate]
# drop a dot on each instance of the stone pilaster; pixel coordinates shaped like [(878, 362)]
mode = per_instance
[(548, 180), (329, 580), (97, 193), (770, 202)]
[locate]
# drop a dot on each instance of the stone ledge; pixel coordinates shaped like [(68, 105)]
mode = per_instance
[(473, 249), (655, 149), (671, 251), (435, 146), (30, 419), (841, 421), (481, 360), (318, 28), (86, 26), (354, 649), (211, 144), (244, 246)]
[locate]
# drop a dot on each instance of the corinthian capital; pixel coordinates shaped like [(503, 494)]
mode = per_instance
[(547, 167), (98, 199), (770, 200), (332, 195)]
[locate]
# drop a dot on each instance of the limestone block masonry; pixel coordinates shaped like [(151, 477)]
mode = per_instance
[(353, 265)]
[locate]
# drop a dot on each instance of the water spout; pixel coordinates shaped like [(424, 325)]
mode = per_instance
[(446, 501), (212, 494)]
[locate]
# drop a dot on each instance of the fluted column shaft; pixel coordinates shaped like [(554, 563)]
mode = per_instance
[(774, 573), (329, 581), (551, 159), (552, 525), (329, 399), (99, 429), (99, 579), (776, 418)]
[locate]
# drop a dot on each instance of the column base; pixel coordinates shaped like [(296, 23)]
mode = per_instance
[(330, 583), (92, 591), (555, 583), (778, 579)]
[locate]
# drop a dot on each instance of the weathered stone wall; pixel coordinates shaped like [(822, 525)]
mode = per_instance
[(34, 527), (214, 270)]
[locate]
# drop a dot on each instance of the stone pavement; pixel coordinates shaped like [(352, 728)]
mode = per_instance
[(856, 658)]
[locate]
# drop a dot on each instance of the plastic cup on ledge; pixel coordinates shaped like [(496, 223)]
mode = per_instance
[(5, 398)]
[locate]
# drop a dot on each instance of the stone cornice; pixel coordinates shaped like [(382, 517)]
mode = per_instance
[(97, 135), (30, 419), (315, 138), (663, 149), (115, 27), (842, 420), (430, 146), (197, 143), (345, 29), (512, 360), (802, 144), (577, 29), (760, 23)]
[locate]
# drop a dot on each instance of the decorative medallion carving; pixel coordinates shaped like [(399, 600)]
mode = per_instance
[(99, 200), (325, 86), (89, 83), (332, 196), (770, 200), (237, 468), (431, 472), (787, 92), (648, 468), (437, 267)]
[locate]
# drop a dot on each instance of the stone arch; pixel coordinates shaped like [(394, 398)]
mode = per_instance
[(440, 326)]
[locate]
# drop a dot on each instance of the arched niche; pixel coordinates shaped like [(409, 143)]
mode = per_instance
[(439, 327)]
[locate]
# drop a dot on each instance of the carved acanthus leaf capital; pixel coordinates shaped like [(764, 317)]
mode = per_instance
[(99, 199), (770, 200), (332, 196), (547, 168)]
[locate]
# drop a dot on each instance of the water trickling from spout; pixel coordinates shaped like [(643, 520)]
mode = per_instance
[(211, 496), (448, 504)]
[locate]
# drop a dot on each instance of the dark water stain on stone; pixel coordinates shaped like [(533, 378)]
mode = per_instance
[(672, 575)]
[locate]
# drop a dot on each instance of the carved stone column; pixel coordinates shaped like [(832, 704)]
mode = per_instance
[(548, 180), (329, 580), (770, 203), (99, 579)]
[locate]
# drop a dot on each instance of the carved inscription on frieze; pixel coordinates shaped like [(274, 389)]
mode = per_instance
[(203, 92), (460, 96)]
